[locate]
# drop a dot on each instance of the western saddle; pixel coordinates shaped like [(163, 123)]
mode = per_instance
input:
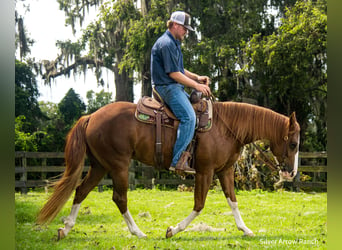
[(155, 112)]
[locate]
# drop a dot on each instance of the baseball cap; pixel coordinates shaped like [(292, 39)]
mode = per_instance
[(182, 18)]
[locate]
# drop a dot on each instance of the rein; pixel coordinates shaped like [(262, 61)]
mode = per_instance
[(266, 160)]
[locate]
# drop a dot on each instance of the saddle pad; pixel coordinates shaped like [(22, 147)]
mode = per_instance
[(147, 109)]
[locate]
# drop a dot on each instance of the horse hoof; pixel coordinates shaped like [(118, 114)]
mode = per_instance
[(142, 236), (250, 234), (169, 232), (61, 234)]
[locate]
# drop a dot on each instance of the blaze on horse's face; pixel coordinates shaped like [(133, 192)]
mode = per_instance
[(287, 151)]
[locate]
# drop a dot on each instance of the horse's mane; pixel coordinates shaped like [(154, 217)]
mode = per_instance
[(250, 122)]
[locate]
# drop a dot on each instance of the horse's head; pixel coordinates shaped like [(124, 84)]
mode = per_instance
[(286, 150)]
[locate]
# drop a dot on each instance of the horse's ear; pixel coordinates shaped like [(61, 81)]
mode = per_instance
[(293, 121)]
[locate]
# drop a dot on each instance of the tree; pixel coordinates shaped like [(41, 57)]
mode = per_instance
[(287, 70), (97, 100), (106, 41), (22, 40), (141, 36), (71, 107), (61, 118), (244, 46), (224, 27), (28, 116), (54, 128), (24, 141), (26, 95), (216, 46)]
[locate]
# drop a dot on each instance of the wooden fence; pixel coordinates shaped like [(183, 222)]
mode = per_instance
[(313, 166), (36, 169)]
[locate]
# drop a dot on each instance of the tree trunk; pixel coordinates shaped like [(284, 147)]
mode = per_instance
[(123, 86), (123, 81), (146, 88)]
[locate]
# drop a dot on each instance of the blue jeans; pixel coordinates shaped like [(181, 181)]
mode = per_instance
[(177, 99)]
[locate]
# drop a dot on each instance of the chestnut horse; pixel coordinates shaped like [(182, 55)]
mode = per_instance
[(112, 136)]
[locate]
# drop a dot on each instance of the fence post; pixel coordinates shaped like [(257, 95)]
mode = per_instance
[(44, 165), (147, 174), (131, 176), (24, 174), (297, 177)]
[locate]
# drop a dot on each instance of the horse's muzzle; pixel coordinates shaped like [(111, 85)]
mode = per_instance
[(287, 176)]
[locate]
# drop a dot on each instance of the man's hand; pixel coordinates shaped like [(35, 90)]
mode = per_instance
[(191, 82), (204, 80), (204, 89)]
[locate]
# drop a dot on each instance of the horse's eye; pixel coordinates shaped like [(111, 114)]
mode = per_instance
[(293, 145)]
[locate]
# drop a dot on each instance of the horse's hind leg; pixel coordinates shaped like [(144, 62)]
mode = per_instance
[(94, 176), (226, 177), (120, 187)]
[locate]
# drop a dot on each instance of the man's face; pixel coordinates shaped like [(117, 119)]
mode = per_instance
[(181, 32)]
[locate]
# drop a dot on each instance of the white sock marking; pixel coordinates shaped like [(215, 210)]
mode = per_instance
[(182, 225), (70, 221), (238, 220), (133, 228)]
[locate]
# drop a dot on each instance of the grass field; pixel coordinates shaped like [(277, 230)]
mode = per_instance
[(280, 220)]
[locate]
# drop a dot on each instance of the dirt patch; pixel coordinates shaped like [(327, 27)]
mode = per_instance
[(202, 227)]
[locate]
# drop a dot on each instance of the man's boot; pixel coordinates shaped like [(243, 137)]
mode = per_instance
[(182, 165)]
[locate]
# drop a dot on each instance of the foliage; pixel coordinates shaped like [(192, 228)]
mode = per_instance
[(71, 107), (62, 116), (76, 10), (272, 53), (101, 45), (141, 35), (29, 119), (275, 217), (287, 70), (55, 128), (251, 171), (48, 133), (26, 95), (22, 39), (97, 100), (24, 141)]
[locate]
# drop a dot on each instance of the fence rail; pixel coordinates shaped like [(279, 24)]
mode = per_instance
[(146, 176), (317, 169), (139, 174)]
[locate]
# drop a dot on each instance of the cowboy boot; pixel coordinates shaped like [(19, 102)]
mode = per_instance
[(182, 165)]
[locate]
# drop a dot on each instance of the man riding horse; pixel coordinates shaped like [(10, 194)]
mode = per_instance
[(111, 137), (169, 78)]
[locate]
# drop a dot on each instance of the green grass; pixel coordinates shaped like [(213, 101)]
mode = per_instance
[(280, 220)]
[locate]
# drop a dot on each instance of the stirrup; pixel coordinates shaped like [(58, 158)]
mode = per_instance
[(182, 164), (181, 171)]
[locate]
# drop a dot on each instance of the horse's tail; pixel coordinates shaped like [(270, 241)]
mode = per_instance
[(75, 152)]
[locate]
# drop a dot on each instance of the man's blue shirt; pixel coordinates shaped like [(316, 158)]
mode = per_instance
[(166, 57)]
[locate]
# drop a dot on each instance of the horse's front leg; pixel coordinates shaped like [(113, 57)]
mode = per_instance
[(226, 177), (202, 184)]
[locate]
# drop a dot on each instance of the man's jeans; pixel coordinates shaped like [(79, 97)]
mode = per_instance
[(178, 101)]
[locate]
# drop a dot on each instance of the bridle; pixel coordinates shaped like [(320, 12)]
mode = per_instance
[(266, 159), (277, 166)]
